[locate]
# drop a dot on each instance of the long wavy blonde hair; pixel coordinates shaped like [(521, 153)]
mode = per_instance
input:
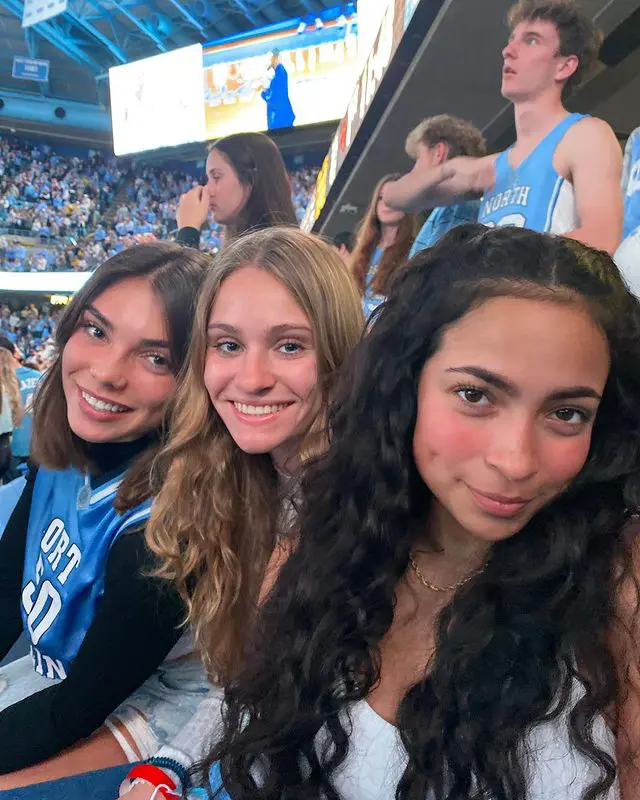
[(215, 519), (9, 387)]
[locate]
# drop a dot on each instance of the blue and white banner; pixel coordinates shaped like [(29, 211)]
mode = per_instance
[(30, 69), (39, 10)]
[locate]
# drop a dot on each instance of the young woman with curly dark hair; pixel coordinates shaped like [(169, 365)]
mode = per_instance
[(459, 619)]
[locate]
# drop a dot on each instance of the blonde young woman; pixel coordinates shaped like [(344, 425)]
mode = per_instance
[(277, 316), (10, 409)]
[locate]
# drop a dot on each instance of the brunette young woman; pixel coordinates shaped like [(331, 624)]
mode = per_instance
[(74, 566), (460, 617), (247, 188)]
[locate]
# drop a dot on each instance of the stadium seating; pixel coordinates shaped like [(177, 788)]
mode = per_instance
[(61, 213), (31, 329)]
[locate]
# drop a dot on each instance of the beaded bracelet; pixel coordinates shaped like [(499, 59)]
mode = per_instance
[(181, 773)]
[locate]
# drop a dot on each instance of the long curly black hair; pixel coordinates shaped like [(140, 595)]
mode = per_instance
[(512, 643)]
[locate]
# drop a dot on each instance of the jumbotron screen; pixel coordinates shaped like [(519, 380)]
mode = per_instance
[(158, 101), (292, 74)]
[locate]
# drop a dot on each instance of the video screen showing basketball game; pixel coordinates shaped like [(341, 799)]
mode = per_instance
[(298, 75)]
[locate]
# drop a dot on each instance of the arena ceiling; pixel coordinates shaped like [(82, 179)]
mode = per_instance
[(93, 35)]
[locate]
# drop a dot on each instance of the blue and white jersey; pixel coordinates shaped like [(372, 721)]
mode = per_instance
[(72, 528), (631, 184), (28, 380), (533, 195)]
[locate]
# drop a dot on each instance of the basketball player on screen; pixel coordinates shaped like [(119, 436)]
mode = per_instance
[(562, 175)]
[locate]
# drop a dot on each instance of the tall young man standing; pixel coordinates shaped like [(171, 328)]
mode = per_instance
[(562, 174)]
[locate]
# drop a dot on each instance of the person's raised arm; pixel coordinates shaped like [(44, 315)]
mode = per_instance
[(427, 187), (193, 211)]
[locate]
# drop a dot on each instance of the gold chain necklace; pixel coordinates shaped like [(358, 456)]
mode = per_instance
[(428, 585)]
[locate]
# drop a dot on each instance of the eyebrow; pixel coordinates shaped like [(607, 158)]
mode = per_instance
[(93, 310), (278, 330), (161, 343), (524, 34), (504, 385)]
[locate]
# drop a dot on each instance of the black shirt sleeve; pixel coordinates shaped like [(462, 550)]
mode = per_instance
[(190, 237), (136, 625), (12, 547)]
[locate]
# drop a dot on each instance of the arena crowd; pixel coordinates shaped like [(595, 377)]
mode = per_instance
[(291, 518)]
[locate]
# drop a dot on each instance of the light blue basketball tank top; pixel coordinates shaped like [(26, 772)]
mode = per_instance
[(533, 195), (71, 530)]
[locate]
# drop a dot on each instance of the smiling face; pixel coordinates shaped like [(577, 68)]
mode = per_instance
[(506, 408), (532, 64), (227, 194), (116, 372), (260, 369)]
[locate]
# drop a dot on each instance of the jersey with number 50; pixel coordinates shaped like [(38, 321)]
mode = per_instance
[(72, 528)]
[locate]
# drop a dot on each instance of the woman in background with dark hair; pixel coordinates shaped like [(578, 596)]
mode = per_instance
[(460, 617), (74, 568), (247, 188), (383, 241)]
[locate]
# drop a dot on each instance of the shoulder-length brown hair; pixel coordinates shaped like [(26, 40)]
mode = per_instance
[(368, 238), (175, 274), (214, 523), (258, 164)]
